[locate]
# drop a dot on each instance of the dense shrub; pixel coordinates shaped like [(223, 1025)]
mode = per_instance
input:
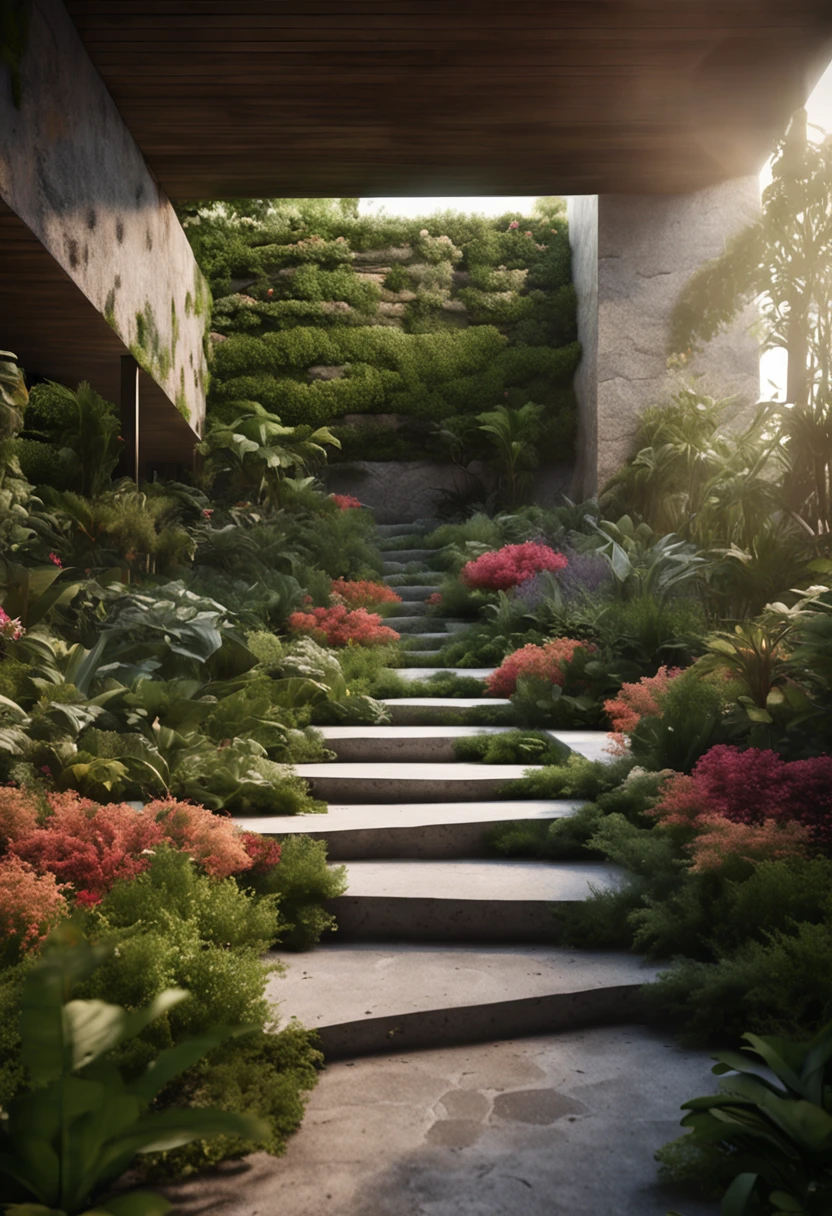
[(548, 663), (341, 626), (510, 566)]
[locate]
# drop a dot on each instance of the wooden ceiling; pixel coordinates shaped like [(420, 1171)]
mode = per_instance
[(57, 334), (383, 97)]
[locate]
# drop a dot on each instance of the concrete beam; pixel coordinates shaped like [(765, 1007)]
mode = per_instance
[(73, 176), (632, 256)]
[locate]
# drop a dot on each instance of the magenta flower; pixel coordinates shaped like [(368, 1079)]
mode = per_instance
[(55, 560)]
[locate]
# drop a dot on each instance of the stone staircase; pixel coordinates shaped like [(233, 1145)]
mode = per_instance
[(439, 944)]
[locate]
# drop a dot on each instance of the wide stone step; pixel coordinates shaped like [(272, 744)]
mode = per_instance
[(459, 901), (431, 830), (434, 577), (406, 528), (416, 591), (408, 608), (415, 622), (410, 557), (421, 658), (408, 743), (457, 710), (425, 641), (363, 998), (391, 782), (424, 673)]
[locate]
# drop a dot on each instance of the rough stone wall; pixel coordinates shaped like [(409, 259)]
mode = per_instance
[(403, 491), (71, 170), (647, 248)]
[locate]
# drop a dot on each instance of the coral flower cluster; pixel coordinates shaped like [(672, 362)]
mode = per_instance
[(10, 627), (361, 593), (346, 502), (511, 566), (341, 626), (75, 851), (636, 701), (549, 662)]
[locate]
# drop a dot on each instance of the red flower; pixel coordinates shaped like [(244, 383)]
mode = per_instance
[(263, 851), (56, 561), (636, 701), (549, 662), (339, 626), (346, 502), (510, 566), (363, 594), (30, 903)]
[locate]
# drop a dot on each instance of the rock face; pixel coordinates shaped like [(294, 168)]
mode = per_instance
[(632, 257), (416, 489), (322, 371)]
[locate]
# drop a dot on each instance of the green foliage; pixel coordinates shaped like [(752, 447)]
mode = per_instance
[(81, 1124), (84, 428), (512, 747), (515, 435), (692, 721), (578, 778), (302, 883), (774, 1115)]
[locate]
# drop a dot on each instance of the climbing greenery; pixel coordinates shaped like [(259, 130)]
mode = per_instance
[(321, 313)]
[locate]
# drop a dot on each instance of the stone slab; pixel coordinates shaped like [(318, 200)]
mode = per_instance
[(500, 881), (433, 830), (555, 1125), (385, 781), (424, 673), (405, 743)]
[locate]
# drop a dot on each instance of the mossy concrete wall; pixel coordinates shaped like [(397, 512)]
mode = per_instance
[(632, 257), (72, 172)]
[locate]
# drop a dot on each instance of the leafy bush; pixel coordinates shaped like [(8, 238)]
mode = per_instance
[(512, 747), (302, 883), (548, 663)]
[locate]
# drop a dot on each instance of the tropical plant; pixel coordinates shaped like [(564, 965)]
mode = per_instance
[(87, 434), (513, 434), (80, 1125), (256, 453), (13, 395), (773, 1118)]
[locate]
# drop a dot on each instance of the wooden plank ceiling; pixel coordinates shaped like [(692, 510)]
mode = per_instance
[(382, 97)]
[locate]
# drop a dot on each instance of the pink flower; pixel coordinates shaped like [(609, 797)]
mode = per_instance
[(10, 627), (30, 903), (340, 626), (549, 662), (207, 512), (434, 599), (510, 566), (56, 561), (346, 502), (514, 224), (270, 292), (527, 234)]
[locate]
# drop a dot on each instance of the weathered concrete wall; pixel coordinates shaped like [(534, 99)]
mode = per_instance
[(72, 172), (647, 248), (401, 491)]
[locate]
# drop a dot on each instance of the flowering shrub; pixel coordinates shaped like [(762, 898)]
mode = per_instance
[(510, 566), (211, 840), (346, 502), (340, 626), (753, 788), (363, 593), (88, 845), (10, 628), (18, 815), (263, 852), (434, 599), (636, 701), (549, 662), (30, 904), (721, 839)]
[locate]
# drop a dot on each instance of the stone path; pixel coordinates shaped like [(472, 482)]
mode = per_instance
[(441, 947)]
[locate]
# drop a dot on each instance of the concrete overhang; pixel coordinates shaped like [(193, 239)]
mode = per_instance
[(258, 98), (95, 265)]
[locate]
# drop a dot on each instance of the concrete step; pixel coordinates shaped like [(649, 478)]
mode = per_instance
[(425, 641), (407, 743), (460, 901), (421, 710), (416, 591), (395, 581), (427, 830), (415, 622), (410, 557), (420, 658), (424, 673), (418, 528), (362, 998), (407, 608), (393, 782)]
